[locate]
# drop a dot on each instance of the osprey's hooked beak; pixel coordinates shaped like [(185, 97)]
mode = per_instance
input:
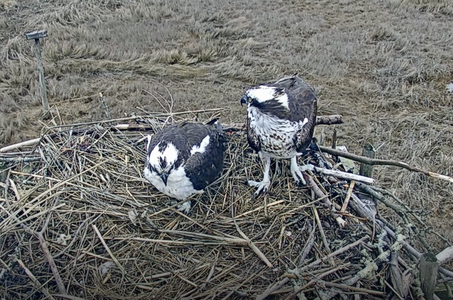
[(244, 100), (164, 177)]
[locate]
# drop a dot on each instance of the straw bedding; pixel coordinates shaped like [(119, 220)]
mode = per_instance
[(78, 221)]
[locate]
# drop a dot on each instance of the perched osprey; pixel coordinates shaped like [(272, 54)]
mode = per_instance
[(184, 158), (280, 122)]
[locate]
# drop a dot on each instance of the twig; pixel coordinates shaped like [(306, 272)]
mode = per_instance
[(329, 120), (318, 192), (68, 297), (276, 286), (107, 248), (323, 236), (34, 279), (19, 145), (314, 280), (445, 255), (351, 288), (20, 159), (46, 251), (414, 252), (252, 246), (261, 207), (382, 162), (348, 196), (340, 174), (370, 267)]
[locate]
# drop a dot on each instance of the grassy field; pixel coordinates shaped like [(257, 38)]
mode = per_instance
[(382, 64)]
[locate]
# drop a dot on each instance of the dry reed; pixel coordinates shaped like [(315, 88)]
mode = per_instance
[(78, 221)]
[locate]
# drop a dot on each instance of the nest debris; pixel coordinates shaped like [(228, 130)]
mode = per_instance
[(79, 221)]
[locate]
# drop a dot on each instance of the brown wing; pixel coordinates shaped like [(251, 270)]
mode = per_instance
[(302, 104), (252, 137)]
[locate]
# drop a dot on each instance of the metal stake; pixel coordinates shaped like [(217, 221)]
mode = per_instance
[(36, 35)]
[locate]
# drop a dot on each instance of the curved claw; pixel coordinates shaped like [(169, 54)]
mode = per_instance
[(262, 187)]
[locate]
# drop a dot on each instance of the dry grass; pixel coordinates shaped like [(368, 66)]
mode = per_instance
[(77, 200), (382, 64)]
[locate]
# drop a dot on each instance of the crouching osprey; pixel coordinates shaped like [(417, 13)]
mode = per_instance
[(184, 158), (280, 123)]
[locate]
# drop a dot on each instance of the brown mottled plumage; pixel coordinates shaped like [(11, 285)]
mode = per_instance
[(280, 123)]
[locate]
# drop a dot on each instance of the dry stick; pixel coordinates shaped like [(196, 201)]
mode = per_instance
[(252, 246), (20, 159), (445, 255), (244, 241), (370, 267), (314, 280), (299, 271), (323, 236), (379, 193), (340, 174), (156, 115), (321, 194), (414, 252), (333, 254), (68, 297), (365, 212), (383, 162), (34, 279), (51, 262), (45, 250), (261, 207), (276, 286), (329, 120), (320, 120), (351, 288), (19, 145), (348, 196), (395, 207), (107, 248)]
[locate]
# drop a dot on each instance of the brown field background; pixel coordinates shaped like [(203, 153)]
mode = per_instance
[(382, 64)]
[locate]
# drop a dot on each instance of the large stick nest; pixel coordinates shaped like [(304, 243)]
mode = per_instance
[(79, 220)]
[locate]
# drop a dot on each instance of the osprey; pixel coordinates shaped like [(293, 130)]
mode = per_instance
[(280, 123), (184, 158)]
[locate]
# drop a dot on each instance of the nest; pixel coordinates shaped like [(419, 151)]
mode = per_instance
[(79, 221)]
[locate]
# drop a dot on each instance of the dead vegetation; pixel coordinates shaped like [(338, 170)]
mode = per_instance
[(382, 64), (80, 222)]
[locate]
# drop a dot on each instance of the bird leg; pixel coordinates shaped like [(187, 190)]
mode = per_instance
[(262, 186), (296, 171)]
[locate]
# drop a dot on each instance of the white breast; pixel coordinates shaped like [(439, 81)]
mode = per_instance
[(276, 135), (178, 184)]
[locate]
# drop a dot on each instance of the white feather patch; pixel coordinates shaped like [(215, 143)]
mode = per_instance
[(302, 123), (283, 99), (178, 184), (265, 93), (262, 93), (202, 147), (170, 154)]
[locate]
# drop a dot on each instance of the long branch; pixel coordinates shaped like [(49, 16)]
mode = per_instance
[(383, 162)]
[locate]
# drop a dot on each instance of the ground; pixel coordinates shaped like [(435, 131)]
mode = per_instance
[(382, 64)]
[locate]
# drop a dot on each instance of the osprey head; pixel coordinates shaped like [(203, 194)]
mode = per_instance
[(162, 160), (265, 95)]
